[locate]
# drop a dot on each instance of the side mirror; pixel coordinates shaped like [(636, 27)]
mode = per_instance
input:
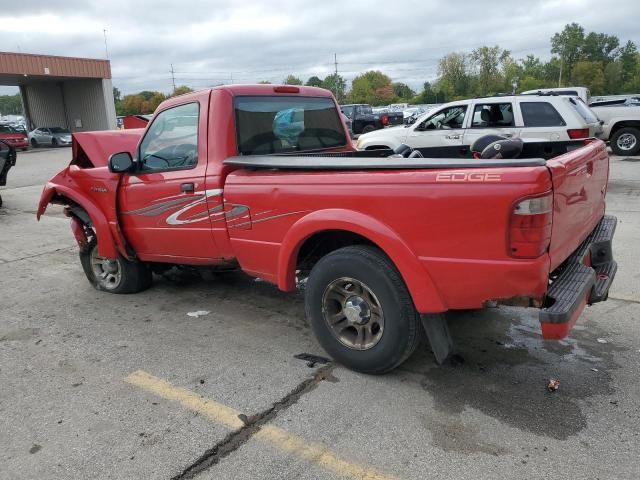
[(120, 162)]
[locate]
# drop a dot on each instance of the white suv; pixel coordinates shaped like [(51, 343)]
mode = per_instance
[(531, 117)]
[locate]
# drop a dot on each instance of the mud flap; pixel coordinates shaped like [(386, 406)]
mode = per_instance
[(437, 330)]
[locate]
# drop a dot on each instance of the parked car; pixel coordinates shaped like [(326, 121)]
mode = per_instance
[(581, 92), (621, 127), (363, 120), (7, 160), (459, 124), (359, 228), (14, 137), (52, 136)]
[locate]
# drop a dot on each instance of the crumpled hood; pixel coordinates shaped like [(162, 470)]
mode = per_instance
[(97, 147)]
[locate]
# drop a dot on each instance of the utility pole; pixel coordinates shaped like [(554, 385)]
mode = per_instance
[(231, 78), (560, 76), (106, 50), (335, 78), (173, 78)]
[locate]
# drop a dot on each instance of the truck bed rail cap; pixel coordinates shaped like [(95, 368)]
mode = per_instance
[(341, 163)]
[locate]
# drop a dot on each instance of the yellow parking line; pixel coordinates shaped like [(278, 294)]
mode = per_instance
[(310, 451)]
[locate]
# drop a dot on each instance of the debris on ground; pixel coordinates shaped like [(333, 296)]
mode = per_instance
[(601, 340), (312, 360), (553, 385), (594, 369), (198, 313)]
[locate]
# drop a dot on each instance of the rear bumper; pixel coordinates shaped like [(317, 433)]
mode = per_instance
[(583, 279)]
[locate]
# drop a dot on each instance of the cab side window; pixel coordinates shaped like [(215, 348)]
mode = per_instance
[(449, 118), (492, 115), (171, 143)]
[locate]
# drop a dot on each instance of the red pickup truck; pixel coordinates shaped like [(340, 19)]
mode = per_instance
[(265, 178)]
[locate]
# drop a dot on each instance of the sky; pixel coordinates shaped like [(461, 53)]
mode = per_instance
[(214, 42)]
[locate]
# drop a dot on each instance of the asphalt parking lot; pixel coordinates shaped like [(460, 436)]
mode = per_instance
[(95, 385)]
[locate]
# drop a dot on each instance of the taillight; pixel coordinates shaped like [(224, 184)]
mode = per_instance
[(530, 229), (286, 89), (576, 133), (385, 120)]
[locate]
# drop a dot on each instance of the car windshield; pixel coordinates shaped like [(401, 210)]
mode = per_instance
[(287, 124), (59, 130), (7, 129)]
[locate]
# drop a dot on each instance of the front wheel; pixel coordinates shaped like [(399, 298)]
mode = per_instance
[(34, 143), (54, 142), (625, 141), (114, 276), (360, 310)]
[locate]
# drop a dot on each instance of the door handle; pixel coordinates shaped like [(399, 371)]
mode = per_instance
[(187, 187), (452, 137)]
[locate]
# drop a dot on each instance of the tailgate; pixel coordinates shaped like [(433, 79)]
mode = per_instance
[(579, 187)]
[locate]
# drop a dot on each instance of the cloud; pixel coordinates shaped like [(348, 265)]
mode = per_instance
[(213, 42)]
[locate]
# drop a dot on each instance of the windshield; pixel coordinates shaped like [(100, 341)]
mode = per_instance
[(7, 129), (287, 124), (59, 130)]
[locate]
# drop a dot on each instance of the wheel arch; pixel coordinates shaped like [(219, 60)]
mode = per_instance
[(356, 228), (624, 123), (108, 246)]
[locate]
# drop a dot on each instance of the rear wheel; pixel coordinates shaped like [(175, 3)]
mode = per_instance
[(625, 141), (34, 143), (115, 276), (360, 310), (368, 128)]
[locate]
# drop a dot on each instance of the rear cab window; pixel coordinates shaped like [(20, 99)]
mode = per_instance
[(492, 115), (267, 125), (540, 114)]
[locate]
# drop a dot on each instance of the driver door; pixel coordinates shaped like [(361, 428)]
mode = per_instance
[(163, 204), (441, 129)]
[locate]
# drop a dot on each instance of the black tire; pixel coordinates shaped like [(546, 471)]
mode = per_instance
[(34, 143), (54, 142), (368, 128), (625, 141), (401, 330), (134, 276)]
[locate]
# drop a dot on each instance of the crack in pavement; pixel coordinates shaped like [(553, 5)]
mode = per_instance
[(252, 425), (63, 249)]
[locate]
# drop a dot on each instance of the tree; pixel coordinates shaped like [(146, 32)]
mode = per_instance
[(264, 82), (180, 90), (402, 91), (628, 60), (454, 75), (132, 104), (568, 45), (336, 84), (116, 95), (156, 100), (11, 104), (613, 77), (600, 47), (590, 75), (487, 61), (428, 95), (532, 67), (292, 80), (372, 87), (314, 82)]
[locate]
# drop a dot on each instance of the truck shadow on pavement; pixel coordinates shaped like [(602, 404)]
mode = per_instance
[(507, 367)]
